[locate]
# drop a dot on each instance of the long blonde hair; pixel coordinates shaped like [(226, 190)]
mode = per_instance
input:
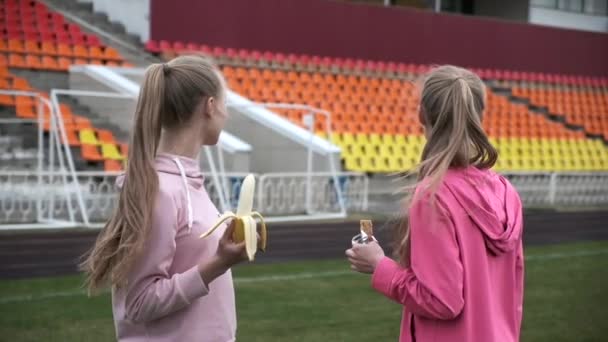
[(169, 96), (452, 102)]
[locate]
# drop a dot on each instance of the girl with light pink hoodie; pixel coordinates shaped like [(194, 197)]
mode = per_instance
[(167, 284), (460, 266)]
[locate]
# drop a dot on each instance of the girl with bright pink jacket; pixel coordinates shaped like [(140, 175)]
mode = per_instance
[(460, 265)]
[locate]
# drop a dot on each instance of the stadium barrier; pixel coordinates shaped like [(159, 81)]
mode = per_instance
[(538, 189), (25, 196)]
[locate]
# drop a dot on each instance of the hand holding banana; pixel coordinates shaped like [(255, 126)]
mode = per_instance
[(245, 228)]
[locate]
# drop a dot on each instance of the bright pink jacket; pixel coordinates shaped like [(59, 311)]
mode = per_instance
[(165, 298), (465, 279)]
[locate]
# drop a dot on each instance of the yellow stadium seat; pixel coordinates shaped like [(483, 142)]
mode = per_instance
[(110, 151), (88, 137), (348, 138), (375, 139), (388, 139), (350, 163), (400, 140)]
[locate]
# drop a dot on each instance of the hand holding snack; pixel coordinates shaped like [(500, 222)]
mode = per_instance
[(366, 232), (365, 253)]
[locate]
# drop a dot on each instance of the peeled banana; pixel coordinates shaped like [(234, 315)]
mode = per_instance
[(246, 225)]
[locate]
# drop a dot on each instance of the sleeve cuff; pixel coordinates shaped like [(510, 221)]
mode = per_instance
[(192, 285), (384, 274)]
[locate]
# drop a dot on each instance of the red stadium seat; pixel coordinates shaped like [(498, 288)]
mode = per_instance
[(152, 46)]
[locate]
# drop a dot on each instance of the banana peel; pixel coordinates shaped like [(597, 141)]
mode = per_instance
[(245, 221)]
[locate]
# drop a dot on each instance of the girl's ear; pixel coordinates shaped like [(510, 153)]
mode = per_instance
[(210, 106)]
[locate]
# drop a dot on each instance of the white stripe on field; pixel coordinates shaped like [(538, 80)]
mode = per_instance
[(550, 256), (285, 277), (294, 276)]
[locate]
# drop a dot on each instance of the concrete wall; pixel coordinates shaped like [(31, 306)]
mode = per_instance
[(578, 21), (272, 151), (118, 111), (516, 10), (134, 15)]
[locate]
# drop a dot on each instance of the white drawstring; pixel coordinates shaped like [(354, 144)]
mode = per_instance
[(183, 174)]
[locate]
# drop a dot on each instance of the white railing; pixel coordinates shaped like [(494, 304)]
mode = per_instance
[(23, 199), (286, 193), (561, 189), (27, 197)]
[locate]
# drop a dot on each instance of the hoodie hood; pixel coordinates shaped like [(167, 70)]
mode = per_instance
[(165, 163), (492, 204), (186, 168), (180, 166)]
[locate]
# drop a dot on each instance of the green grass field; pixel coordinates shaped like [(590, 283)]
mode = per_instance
[(566, 300)]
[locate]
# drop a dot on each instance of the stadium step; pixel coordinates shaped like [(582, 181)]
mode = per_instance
[(84, 11), (545, 111)]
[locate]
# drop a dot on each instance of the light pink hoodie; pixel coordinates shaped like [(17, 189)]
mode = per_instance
[(166, 299), (465, 280)]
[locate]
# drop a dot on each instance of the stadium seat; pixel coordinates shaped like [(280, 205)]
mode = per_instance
[(81, 52), (49, 48), (373, 107), (81, 123), (95, 52), (25, 112), (72, 138), (90, 153), (112, 165), (33, 62), (20, 84), (152, 46), (65, 50), (88, 137), (16, 46), (32, 47), (16, 61), (110, 151), (112, 54), (105, 136), (64, 63), (50, 63)]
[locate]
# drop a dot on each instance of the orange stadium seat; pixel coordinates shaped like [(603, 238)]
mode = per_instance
[(21, 84), (72, 137), (50, 63), (81, 52), (112, 166), (16, 61), (25, 112), (105, 136), (32, 47), (112, 54), (33, 62), (90, 153), (49, 48), (65, 50), (16, 46), (64, 63), (81, 122), (80, 61), (95, 52)]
